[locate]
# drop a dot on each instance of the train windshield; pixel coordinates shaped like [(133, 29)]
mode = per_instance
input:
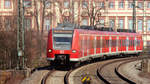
[(62, 41)]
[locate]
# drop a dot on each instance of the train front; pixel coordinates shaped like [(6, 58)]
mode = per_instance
[(60, 45)]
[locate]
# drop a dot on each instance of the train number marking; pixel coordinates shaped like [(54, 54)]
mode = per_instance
[(62, 51)]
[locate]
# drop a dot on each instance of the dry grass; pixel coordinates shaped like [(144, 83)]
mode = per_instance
[(11, 77)]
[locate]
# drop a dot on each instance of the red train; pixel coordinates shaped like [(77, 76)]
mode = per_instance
[(70, 44)]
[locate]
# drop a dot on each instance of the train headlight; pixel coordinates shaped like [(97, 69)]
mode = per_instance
[(49, 50), (74, 51)]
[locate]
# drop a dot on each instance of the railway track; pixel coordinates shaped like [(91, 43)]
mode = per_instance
[(103, 72), (46, 77), (66, 78), (53, 78), (109, 72)]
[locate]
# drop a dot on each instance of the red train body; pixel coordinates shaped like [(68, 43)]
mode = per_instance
[(73, 45)]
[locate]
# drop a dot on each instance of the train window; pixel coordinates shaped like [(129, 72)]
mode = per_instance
[(127, 42), (124, 43), (91, 44), (98, 43), (107, 43), (62, 41), (85, 43), (82, 43), (94, 43), (104, 43), (138, 42), (133, 42), (119, 43), (130, 43), (88, 43), (113, 43)]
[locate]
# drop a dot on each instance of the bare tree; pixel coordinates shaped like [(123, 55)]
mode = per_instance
[(93, 11), (39, 14)]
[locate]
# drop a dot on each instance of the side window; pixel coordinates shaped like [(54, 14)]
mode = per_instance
[(130, 43), (27, 23), (148, 25), (84, 4), (121, 5), (47, 24), (7, 3), (27, 3), (113, 42), (92, 41), (47, 4), (107, 43), (66, 4), (140, 25), (148, 5), (138, 42), (98, 42), (88, 42), (104, 43), (130, 24), (111, 4), (121, 24), (127, 42), (7, 23), (119, 43), (124, 43), (130, 5), (133, 42), (84, 21)]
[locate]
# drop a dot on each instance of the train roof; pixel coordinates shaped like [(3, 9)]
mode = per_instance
[(106, 32), (68, 26)]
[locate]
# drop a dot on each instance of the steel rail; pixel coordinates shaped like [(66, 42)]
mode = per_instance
[(106, 64), (120, 75), (66, 78), (46, 77)]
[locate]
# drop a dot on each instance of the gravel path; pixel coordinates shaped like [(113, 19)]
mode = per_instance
[(35, 78), (132, 73), (56, 78)]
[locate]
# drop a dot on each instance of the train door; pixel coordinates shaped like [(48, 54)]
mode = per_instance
[(113, 43), (131, 43), (135, 41), (119, 43), (91, 44), (127, 43), (122, 43), (139, 43), (117, 46), (88, 45), (98, 43), (85, 45), (82, 45), (105, 44), (95, 44)]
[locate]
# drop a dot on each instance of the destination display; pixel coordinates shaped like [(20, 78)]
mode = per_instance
[(63, 31)]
